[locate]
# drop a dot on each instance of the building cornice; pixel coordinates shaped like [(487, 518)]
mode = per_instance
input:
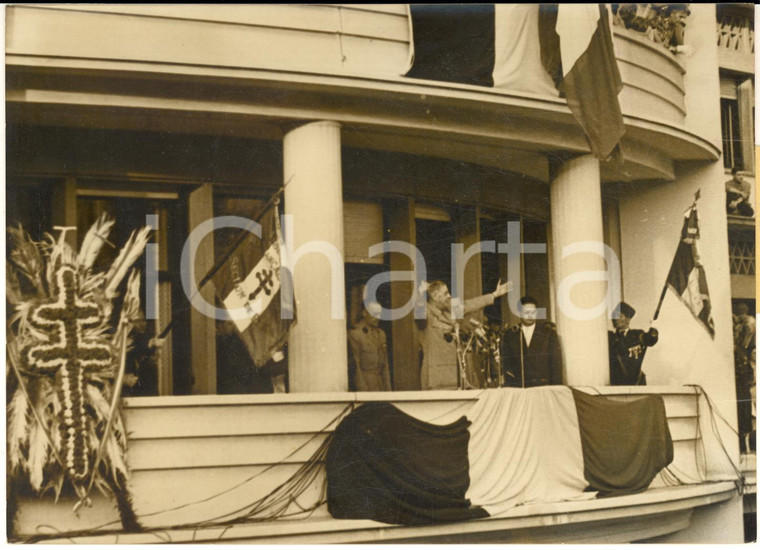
[(448, 120)]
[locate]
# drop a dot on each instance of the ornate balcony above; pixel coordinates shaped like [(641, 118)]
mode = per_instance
[(736, 37), (249, 71), (652, 78)]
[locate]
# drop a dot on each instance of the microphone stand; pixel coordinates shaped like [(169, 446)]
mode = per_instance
[(521, 338), (463, 384), (497, 361)]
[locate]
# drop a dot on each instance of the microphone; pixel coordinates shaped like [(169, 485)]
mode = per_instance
[(478, 329)]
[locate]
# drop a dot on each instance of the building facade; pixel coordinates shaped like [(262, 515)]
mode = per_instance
[(176, 115)]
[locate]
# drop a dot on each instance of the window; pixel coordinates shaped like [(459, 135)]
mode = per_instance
[(737, 122), (729, 120)]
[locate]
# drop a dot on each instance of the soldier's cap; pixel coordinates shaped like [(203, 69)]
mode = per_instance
[(624, 309)]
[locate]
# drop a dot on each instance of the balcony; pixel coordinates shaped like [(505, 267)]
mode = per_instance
[(194, 458), (653, 78), (248, 70), (358, 41)]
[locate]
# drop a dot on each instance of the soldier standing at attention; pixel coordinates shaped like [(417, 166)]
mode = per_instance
[(369, 351)]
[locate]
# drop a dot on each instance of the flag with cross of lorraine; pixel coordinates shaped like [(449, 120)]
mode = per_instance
[(249, 283)]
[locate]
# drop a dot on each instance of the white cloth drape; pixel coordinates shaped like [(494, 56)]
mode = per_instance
[(576, 25), (525, 447), (517, 63)]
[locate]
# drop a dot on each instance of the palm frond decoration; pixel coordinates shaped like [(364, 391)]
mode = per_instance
[(59, 253), (94, 240), (38, 452), (18, 428), (130, 309), (26, 258), (127, 256), (64, 423)]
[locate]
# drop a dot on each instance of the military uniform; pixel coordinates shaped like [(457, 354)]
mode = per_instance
[(627, 351), (369, 351), (439, 360), (541, 361)]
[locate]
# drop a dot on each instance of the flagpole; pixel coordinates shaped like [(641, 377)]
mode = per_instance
[(243, 234), (665, 287), (275, 198), (659, 304)]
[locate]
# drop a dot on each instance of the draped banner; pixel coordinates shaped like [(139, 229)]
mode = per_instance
[(618, 461), (481, 44), (525, 447), (388, 466), (538, 49), (591, 78), (250, 282), (514, 447), (687, 277)]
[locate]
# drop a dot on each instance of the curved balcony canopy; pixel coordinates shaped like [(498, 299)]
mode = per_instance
[(253, 71)]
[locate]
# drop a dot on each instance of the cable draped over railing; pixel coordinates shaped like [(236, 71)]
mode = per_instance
[(282, 502)]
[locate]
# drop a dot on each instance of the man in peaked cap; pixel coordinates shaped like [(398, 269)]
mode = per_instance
[(627, 348)]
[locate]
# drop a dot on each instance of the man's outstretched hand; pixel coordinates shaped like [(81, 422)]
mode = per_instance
[(502, 288)]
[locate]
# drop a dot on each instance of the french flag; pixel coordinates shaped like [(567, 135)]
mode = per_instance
[(687, 278), (540, 49), (512, 447)]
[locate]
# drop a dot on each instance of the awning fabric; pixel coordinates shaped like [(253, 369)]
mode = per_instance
[(514, 447)]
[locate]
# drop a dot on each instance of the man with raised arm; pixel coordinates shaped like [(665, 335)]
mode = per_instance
[(438, 333)]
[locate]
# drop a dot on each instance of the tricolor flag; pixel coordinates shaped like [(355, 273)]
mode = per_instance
[(590, 77), (687, 276), (512, 447), (249, 284), (527, 48)]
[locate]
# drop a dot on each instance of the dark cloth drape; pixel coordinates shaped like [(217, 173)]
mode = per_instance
[(453, 42), (386, 466), (549, 42), (625, 443)]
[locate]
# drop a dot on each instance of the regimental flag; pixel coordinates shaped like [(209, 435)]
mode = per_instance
[(250, 282), (526, 48), (513, 447), (687, 276)]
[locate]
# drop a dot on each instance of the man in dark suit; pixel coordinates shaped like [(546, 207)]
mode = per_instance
[(530, 351), (627, 348)]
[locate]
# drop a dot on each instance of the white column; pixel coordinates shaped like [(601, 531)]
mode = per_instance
[(317, 360), (576, 208)]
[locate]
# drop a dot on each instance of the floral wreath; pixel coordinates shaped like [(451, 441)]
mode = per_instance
[(66, 359)]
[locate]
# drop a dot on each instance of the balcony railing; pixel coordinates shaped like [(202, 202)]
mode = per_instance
[(742, 256), (736, 38), (193, 458), (736, 33)]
